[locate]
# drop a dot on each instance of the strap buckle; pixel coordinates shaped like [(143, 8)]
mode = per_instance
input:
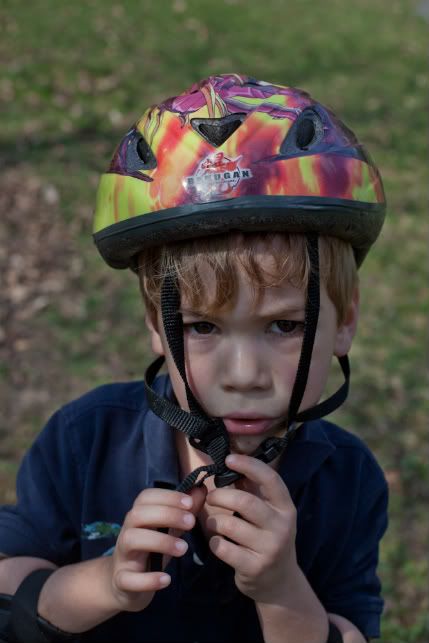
[(272, 447), (268, 449), (226, 477)]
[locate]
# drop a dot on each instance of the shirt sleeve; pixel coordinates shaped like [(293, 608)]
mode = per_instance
[(45, 520), (354, 589)]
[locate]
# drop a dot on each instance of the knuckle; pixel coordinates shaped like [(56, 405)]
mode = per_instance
[(134, 515), (126, 540), (228, 524), (119, 581), (142, 497), (245, 503)]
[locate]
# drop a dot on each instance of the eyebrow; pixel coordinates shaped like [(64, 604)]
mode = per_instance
[(278, 313)]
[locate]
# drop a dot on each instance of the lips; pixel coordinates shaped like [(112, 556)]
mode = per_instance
[(247, 426)]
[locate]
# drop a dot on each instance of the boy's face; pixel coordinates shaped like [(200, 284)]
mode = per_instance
[(241, 363)]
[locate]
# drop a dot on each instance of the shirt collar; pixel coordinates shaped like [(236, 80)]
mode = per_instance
[(305, 454), (299, 462)]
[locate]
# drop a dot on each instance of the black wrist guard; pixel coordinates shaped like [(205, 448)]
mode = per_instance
[(334, 635), (26, 626)]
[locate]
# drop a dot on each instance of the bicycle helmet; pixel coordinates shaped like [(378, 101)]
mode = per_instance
[(236, 153)]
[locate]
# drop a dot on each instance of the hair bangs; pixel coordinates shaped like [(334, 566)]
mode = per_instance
[(207, 269)]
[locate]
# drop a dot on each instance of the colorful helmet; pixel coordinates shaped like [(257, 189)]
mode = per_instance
[(235, 153)]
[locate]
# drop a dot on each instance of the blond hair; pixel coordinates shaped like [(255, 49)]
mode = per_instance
[(225, 254)]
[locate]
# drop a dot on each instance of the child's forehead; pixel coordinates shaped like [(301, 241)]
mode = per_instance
[(255, 294), (249, 267)]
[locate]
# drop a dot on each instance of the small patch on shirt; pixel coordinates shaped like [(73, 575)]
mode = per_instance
[(100, 529)]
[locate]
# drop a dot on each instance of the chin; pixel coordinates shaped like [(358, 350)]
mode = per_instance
[(244, 445)]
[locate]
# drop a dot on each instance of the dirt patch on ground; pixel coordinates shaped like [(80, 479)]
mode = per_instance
[(67, 321), (37, 266)]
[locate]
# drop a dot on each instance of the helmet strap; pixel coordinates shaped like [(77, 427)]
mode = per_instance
[(205, 433), (311, 319)]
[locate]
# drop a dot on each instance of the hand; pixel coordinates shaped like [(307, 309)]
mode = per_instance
[(133, 587), (263, 552)]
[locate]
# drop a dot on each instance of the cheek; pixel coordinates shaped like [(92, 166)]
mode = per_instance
[(201, 360), (286, 371), (318, 376), (284, 359), (200, 374)]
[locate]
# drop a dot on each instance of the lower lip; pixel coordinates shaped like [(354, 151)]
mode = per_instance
[(246, 427)]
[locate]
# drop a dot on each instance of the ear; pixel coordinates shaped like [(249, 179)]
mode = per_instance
[(152, 324), (346, 331)]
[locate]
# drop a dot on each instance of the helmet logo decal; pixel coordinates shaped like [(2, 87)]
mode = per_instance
[(216, 175)]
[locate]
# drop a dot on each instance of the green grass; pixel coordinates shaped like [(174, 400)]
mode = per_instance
[(76, 75)]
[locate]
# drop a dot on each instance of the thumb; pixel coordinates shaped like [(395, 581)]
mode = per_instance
[(198, 495)]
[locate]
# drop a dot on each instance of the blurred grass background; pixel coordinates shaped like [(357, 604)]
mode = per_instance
[(74, 77)]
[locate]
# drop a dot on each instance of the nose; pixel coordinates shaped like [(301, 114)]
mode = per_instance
[(245, 366)]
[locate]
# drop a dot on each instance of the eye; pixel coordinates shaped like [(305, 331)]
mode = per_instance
[(286, 327), (200, 328)]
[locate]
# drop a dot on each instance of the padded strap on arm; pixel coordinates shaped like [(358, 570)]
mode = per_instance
[(26, 626)]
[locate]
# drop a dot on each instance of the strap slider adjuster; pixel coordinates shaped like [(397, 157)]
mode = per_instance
[(268, 450)]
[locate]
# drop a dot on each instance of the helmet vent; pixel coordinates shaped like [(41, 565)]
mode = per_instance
[(306, 132), (217, 130), (138, 154), (145, 154)]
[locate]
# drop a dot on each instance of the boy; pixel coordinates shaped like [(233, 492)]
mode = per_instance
[(245, 208)]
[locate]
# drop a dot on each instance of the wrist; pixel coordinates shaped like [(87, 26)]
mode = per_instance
[(78, 597), (281, 624), (282, 591), (294, 613)]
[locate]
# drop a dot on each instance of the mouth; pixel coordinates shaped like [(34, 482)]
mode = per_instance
[(248, 425)]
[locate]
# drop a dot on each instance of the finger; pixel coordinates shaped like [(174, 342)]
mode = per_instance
[(271, 486), (128, 581), (147, 540), (158, 496), (240, 558), (239, 531), (159, 516), (198, 495), (251, 508)]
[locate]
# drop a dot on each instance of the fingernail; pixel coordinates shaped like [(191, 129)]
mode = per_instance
[(231, 459), (181, 545), (165, 579), (186, 502), (188, 519)]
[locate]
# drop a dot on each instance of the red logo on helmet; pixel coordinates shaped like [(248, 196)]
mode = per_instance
[(216, 175)]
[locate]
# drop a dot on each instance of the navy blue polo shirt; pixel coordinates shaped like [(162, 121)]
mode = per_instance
[(96, 454)]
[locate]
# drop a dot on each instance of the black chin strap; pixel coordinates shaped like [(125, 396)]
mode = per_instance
[(205, 433), (209, 434)]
